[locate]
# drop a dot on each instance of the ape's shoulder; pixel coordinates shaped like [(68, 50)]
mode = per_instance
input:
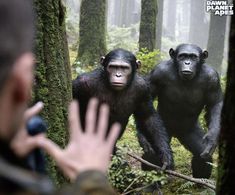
[(162, 69), (141, 85), (86, 83), (210, 74), (88, 79)]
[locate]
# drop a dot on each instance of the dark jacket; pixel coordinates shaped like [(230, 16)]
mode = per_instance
[(16, 178)]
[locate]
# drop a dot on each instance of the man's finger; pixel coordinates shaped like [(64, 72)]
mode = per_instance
[(103, 121), (29, 144), (113, 134), (50, 148), (91, 115), (74, 121), (33, 110)]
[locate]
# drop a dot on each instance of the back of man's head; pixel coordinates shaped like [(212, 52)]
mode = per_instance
[(16, 33)]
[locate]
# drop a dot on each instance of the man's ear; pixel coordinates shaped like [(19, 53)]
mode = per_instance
[(102, 60), (22, 76), (172, 53), (204, 54), (138, 63)]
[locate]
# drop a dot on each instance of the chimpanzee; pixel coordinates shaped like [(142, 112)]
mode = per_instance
[(184, 86), (118, 84)]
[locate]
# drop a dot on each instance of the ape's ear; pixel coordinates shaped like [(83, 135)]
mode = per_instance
[(102, 60), (172, 53), (138, 63), (204, 54)]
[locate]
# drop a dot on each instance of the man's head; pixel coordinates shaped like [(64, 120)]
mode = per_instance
[(16, 62)]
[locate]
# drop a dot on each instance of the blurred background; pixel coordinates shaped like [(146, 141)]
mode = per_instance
[(177, 21)]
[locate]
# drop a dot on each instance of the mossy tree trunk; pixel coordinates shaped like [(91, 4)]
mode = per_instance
[(53, 76), (147, 38), (226, 169), (92, 31)]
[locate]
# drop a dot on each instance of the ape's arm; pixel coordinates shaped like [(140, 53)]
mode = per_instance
[(149, 123), (214, 102), (156, 78)]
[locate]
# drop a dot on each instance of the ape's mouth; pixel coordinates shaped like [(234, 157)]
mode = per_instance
[(187, 75), (118, 84)]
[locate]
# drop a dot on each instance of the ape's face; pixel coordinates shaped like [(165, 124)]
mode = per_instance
[(120, 67), (119, 72), (188, 59)]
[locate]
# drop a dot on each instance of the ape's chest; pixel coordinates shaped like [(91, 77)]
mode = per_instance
[(120, 106), (187, 95)]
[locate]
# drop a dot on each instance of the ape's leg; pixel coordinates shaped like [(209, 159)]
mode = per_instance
[(149, 154), (194, 143)]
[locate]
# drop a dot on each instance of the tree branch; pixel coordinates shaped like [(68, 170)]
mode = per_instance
[(204, 182)]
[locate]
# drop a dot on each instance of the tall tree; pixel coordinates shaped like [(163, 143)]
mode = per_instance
[(216, 39), (92, 31), (53, 76), (147, 38), (159, 24), (171, 19), (226, 169), (123, 13), (198, 32)]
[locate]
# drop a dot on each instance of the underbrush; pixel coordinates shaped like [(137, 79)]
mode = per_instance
[(126, 176)]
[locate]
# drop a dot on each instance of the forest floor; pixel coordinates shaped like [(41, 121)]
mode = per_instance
[(182, 159)]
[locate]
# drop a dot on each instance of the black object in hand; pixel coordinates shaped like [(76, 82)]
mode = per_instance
[(36, 159), (36, 125)]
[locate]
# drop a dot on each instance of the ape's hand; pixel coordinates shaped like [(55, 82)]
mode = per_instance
[(167, 161), (210, 142)]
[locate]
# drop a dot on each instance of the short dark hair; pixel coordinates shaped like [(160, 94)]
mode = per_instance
[(16, 33)]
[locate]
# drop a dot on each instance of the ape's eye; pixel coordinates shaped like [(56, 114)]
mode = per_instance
[(112, 67), (193, 57), (125, 67), (181, 56)]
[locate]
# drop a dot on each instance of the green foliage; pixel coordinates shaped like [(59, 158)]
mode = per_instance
[(223, 81), (125, 38), (148, 59), (124, 176), (125, 173)]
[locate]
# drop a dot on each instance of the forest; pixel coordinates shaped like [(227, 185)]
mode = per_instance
[(72, 35)]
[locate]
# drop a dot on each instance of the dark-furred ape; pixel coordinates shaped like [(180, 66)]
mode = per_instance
[(117, 84), (184, 86)]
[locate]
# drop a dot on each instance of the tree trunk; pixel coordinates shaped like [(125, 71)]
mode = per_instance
[(226, 169), (92, 31), (198, 32), (171, 19), (215, 44), (53, 76), (159, 24), (147, 37)]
